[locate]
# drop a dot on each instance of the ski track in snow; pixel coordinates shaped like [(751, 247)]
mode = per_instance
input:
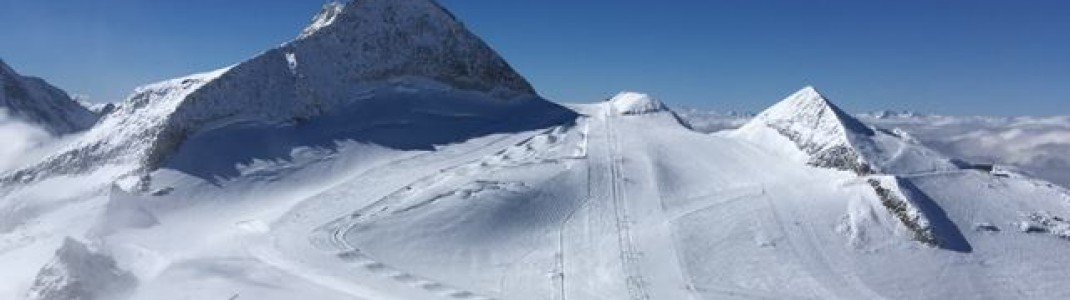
[(635, 225), (330, 237), (629, 252), (802, 236), (558, 277)]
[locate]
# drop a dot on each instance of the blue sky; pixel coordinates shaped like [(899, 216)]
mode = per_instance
[(992, 57)]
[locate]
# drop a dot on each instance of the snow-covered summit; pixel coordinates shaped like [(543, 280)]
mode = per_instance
[(374, 40), (407, 59), (632, 103), (818, 128), (828, 137), (811, 114), (34, 100)]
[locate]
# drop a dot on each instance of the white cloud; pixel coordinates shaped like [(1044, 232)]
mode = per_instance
[(20, 142)]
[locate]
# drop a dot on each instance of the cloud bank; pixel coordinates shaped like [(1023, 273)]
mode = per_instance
[(20, 142)]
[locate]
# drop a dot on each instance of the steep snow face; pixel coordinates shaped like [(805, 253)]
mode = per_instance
[(34, 100), (830, 138), (632, 103), (357, 57)]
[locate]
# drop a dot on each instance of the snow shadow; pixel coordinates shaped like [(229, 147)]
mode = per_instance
[(393, 119), (947, 233)]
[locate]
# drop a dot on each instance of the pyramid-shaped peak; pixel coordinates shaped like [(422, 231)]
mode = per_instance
[(633, 103), (829, 136), (807, 97), (809, 108), (809, 92)]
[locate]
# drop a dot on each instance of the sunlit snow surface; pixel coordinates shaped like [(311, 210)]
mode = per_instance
[(611, 206), (388, 153), (1036, 145)]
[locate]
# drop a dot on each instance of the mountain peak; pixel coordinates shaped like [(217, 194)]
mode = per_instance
[(378, 40), (409, 59), (34, 100), (810, 109), (819, 128)]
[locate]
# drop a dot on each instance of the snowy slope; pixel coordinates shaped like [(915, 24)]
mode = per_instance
[(34, 100), (334, 169), (828, 137), (356, 62), (613, 206), (602, 209)]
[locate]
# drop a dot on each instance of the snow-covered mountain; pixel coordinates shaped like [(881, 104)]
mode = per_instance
[(378, 66), (1039, 146), (831, 138), (34, 100), (387, 153)]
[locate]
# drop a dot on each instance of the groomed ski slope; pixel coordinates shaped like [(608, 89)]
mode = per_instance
[(441, 174), (614, 206)]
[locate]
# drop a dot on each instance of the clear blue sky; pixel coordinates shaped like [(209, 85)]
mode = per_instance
[(995, 57)]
